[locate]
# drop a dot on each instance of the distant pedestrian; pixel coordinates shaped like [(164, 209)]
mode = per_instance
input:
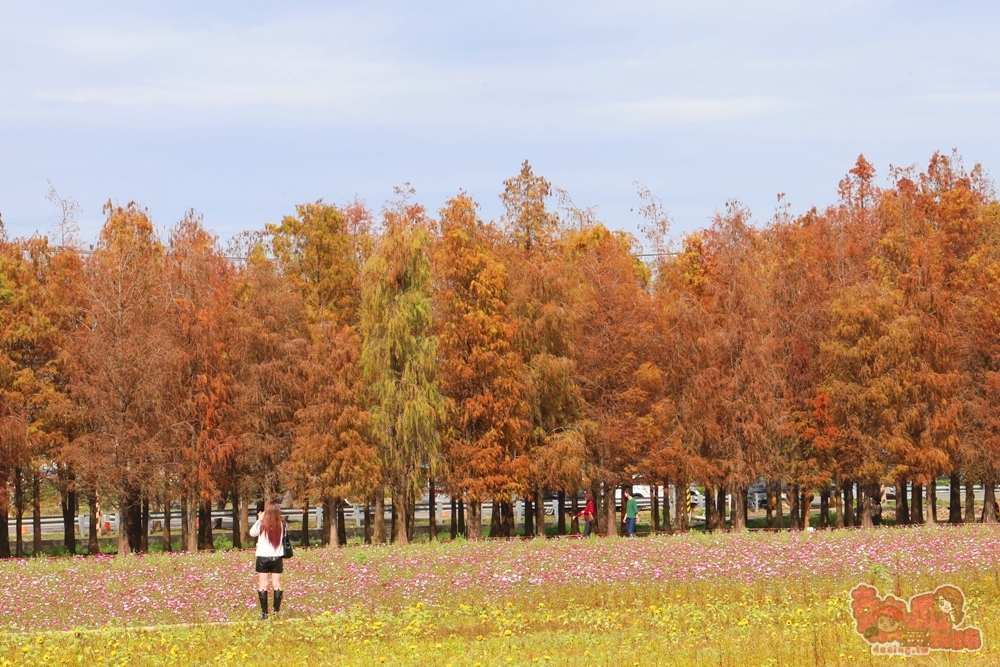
[(270, 529), (631, 513), (589, 513)]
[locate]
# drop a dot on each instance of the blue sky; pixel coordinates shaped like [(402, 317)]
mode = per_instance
[(241, 110)]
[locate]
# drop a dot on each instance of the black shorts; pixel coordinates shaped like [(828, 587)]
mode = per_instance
[(270, 565)]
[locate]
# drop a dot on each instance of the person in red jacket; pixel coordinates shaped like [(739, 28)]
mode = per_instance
[(589, 513)]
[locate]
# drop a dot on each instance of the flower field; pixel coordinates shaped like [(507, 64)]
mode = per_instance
[(728, 599)]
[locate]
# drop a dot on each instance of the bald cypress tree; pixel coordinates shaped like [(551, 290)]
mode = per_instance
[(399, 356)]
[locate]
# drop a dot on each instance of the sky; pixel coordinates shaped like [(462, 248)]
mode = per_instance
[(241, 110)]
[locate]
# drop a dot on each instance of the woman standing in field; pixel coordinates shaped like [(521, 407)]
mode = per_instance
[(270, 531)]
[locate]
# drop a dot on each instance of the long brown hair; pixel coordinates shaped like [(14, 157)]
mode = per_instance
[(271, 524), (957, 600)]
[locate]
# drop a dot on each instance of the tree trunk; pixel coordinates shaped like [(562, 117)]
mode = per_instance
[(902, 505), (400, 529), (4, 526), (932, 501), (710, 521), (611, 516), (185, 528), (237, 522), (507, 518), (432, 509), (838, 500), (666, 509), (779, 506), (129, 521), (453, 518), (36, 513), (824, 508), (144, 526), (540, 513), (683, 509), (795, 511), (865, 503), (970, 503), (529, 517), (917, 504), (807, 500), (474, 524), (206, 541), (955, 498), (989, 502), (167, 546), (462, 528), (93, 546), (411, 513), (600, 512), (654, 508), (561, 514), (739, 515), (337, 521), (190, 519), (379, 534), (411, 517), (245, 516), (304, 541), (326, 530), (135, 524), (574, 508), (769, 520), (18, 514), (495, 528), (721, 506), (338, 504), (68, 503), (393, 518), (849, 504), (123, 529), (368, 523), (861, 494)]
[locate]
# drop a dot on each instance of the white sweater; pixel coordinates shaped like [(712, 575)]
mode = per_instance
[(264, 547)]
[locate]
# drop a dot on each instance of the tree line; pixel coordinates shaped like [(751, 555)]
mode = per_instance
[(342, 355)]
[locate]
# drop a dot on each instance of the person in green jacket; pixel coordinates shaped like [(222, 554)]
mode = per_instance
[(631, 513)]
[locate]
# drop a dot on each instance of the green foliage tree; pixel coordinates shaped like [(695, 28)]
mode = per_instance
[(399, 358)]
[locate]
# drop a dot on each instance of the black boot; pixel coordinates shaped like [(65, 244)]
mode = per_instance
[(263, 604), (277, 601)]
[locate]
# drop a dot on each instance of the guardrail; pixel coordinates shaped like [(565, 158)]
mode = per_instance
[(353, 514)]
